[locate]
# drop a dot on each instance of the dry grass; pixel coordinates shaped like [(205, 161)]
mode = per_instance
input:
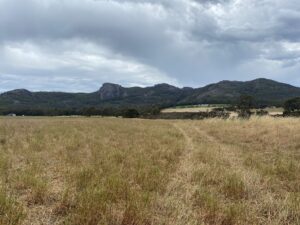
[(139, 172)]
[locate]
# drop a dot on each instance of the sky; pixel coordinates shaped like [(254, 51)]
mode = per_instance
[(77, 45)]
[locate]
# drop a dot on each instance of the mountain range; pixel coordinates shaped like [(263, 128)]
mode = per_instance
[(264, 91)]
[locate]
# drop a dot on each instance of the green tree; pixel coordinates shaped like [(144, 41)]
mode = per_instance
[(91, 111), (292, 107), (130, 113), (155, 110), (244, 106)]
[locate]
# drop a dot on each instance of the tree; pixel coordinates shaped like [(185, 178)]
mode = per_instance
[(262, 112), (130, 113), (155, 110), (245, 102), (292, 107), (91, 111), (244, 106)]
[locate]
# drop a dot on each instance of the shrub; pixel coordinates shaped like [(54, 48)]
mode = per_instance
[(292, 105), (155, 110), (262, 112), (89, 111), (244, 105), (245, 102), (218, 110), (130, 113), (291, 114), (244, 114)]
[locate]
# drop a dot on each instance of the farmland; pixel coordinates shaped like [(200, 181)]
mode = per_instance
[(111, 171), (208, 108)]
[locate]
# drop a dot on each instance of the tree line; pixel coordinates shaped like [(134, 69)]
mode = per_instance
[(115, 111), (291, 107), (243, 107)]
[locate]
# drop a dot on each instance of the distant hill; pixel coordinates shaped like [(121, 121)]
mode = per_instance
[(264, 91)]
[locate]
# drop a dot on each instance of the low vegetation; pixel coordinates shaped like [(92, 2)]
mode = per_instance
[(190, 115), (138, 172), (292, 107)]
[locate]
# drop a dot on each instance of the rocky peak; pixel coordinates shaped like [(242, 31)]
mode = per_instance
[(110, 91)]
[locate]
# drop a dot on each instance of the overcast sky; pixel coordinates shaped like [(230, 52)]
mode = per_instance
[(76, 45)]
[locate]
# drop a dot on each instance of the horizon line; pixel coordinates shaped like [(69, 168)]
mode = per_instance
[(141, 86)]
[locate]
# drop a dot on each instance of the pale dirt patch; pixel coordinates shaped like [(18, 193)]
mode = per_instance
[(184, 110)]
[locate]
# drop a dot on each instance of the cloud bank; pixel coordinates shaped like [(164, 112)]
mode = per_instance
[(77, 45)]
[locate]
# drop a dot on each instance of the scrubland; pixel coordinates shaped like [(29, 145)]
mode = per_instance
[(142, 172)]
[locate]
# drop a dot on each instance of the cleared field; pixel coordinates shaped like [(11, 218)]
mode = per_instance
[(142, 172), (193, 108), (275, 111), (271, 110), (188, 109)]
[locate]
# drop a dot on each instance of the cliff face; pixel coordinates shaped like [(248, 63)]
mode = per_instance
[(111, 91)]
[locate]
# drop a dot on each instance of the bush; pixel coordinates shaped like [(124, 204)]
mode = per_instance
[(130, 113), (291, 114), (89, 111), (189, 115), (244, 105), (155, 110), (292, 107), (244, 114), (262, 112), (230, 109), (245, 102), (218, 110)]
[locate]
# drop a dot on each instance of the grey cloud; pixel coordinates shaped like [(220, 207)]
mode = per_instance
[(211, 1), (179, 41)]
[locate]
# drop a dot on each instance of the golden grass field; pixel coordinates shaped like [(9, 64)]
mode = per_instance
[(110, 171)]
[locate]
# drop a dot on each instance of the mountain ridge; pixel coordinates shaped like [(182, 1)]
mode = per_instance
[(264, 91)]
